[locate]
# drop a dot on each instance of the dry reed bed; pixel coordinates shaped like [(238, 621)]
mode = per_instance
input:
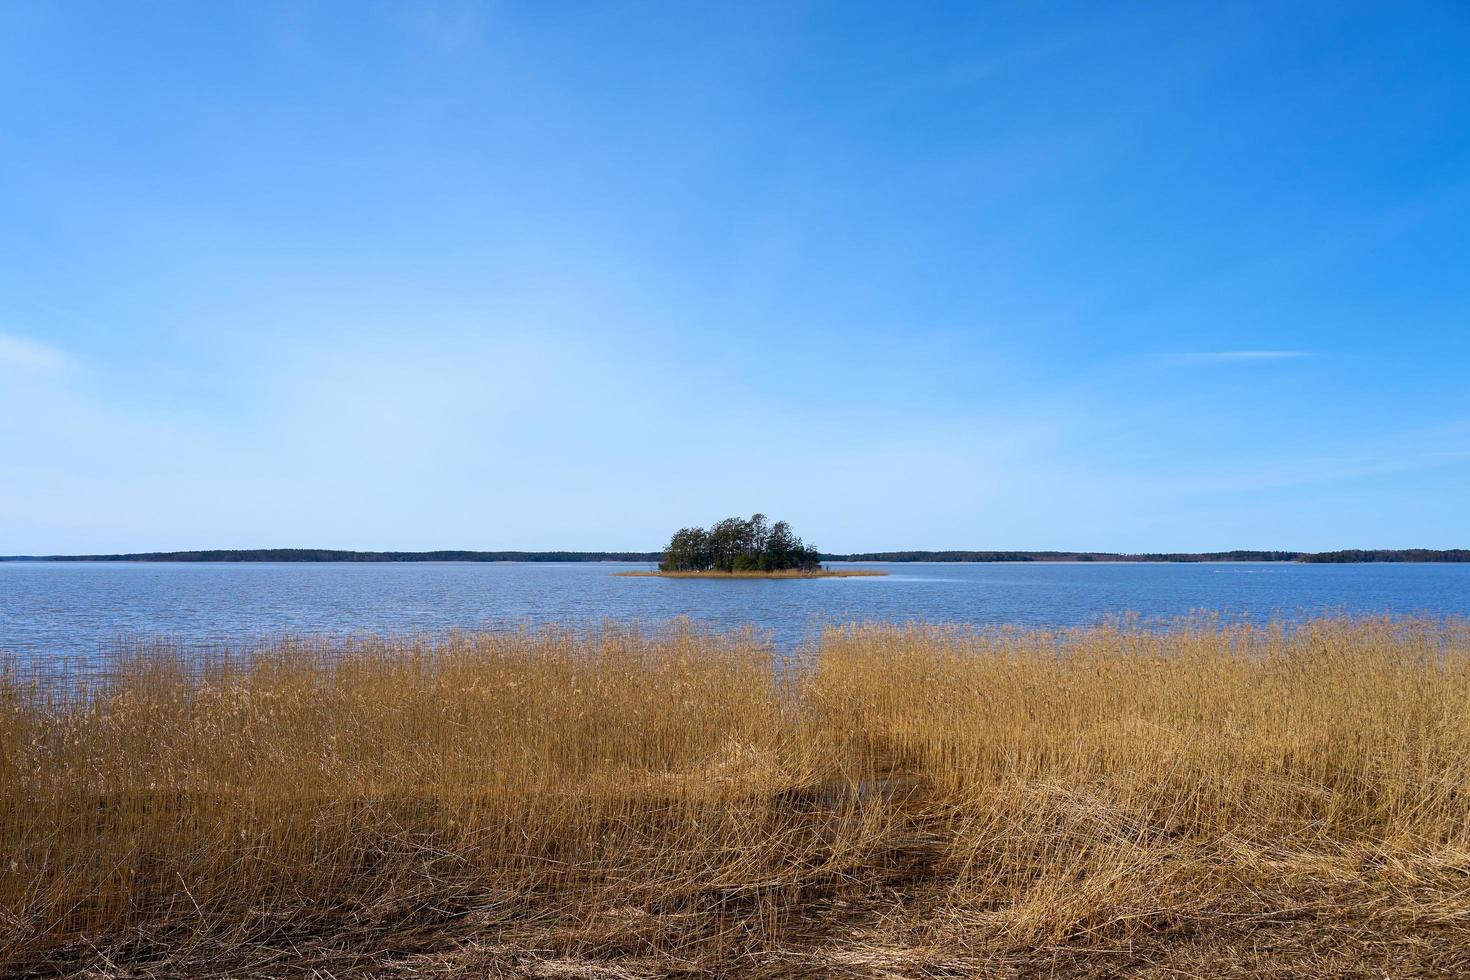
[(903, 801)]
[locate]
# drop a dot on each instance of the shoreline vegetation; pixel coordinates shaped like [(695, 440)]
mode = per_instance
[(736, 546), (783, 573), (892, 801), (1350, 556)]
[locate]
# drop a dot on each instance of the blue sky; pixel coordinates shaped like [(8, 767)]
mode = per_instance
[(450, 275)]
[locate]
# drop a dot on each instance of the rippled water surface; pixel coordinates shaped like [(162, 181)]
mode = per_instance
[(80, 608)]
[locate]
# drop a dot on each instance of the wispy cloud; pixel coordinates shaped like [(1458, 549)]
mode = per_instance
[(29, 355), (1229, 356)]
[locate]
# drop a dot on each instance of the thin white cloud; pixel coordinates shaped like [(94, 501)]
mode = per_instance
[(1227, 356), (28, 355)]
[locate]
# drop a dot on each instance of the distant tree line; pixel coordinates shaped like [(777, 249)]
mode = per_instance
[(737, 545), (1392, 554), (777, 535), (1188, 556), (964, 556), (328, 554)]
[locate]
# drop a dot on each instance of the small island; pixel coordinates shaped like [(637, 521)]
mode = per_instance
[(739, 548)]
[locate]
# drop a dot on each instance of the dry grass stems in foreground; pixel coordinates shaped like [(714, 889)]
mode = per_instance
[(902, 802)]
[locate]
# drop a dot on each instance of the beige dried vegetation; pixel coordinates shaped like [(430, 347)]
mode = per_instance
[(891, 802)]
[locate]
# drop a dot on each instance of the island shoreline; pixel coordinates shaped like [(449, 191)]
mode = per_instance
[(782, 574)]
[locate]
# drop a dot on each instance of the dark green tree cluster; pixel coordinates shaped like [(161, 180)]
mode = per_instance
[(1394, 554), (736, 545)]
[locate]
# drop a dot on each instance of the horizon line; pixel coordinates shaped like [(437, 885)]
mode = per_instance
[(445, 555)]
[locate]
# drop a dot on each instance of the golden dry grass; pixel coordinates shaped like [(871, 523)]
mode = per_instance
[(900, 802), (781, 573)]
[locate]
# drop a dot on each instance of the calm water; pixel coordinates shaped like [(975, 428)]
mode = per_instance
[(72, 609)]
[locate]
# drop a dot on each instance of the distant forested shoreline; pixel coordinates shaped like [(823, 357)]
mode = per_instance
[(1399, 555), (1349, 556), (332, 555), (983, 556)]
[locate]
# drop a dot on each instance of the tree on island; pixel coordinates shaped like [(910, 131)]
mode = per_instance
[(736, 545)]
